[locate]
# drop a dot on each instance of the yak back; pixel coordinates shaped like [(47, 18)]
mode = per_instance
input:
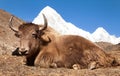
[(78, 50)]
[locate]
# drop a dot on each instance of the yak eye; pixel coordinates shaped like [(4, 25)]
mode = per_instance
[(17, 35), (34, 35)]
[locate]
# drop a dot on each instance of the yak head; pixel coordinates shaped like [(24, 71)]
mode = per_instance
[(30, 35)]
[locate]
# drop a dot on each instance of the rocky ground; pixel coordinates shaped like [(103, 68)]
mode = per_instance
[(14, 66)]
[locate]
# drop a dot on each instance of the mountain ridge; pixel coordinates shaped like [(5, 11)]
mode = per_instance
[(59, 24)]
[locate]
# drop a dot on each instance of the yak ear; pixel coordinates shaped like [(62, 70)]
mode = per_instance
[(46, 39)]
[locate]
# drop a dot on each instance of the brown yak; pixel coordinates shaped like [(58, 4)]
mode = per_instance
[(45, 48)]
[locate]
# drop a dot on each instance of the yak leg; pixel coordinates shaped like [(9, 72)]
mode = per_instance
[(44, 60)]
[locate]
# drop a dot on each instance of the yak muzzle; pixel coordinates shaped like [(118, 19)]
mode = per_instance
[(19, 52)]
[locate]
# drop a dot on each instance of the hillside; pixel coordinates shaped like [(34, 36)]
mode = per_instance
[(7, 39), (108, 46), (14, 66)]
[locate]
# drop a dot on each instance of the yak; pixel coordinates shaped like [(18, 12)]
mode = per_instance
[(46, 48)]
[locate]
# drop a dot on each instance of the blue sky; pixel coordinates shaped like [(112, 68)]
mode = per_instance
[(85, 14)]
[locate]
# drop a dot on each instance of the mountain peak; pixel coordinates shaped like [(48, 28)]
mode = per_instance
[(100, 30), (51, 15), (48, 8), (59, 24)]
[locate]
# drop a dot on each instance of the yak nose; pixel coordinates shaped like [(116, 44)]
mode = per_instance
[(22, 51)]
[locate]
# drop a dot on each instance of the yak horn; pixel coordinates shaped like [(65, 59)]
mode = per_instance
[(10, 24), (45, 23)]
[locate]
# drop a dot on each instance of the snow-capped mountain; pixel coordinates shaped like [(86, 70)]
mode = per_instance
[(101, 34), (59, 24)]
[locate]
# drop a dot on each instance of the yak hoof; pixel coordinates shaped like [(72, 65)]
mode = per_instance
[(92, 65), (76, 67), (53, 65)]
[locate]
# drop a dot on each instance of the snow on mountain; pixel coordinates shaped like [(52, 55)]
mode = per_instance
[(101, 34), (59, 24)]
